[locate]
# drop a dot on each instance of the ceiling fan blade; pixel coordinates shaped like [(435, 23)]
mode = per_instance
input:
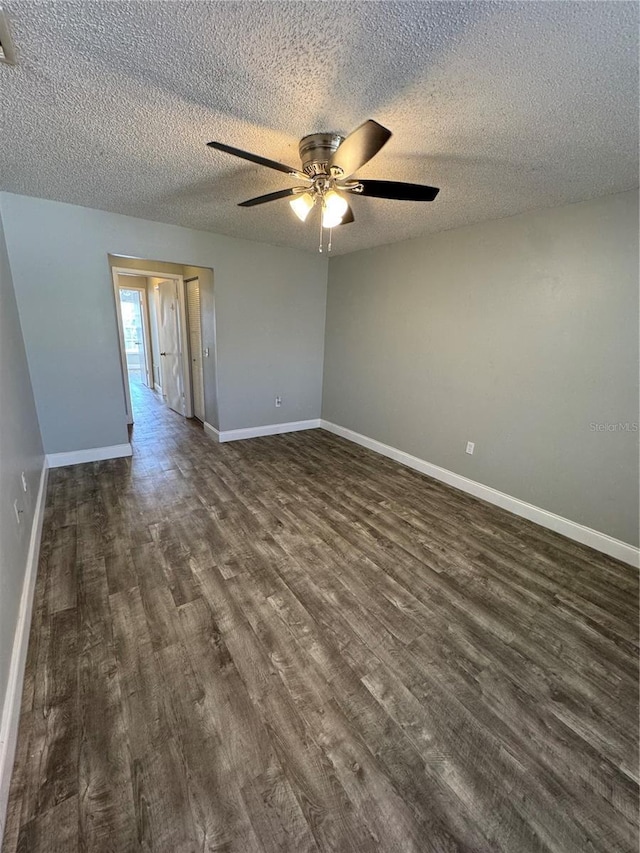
[(359, 147), (262, 199), (398, 190), (256, 158)]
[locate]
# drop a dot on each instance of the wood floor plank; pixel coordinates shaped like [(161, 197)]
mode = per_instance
[(105, 805), (276, 814), (54, 830), (214, 721), (292, 644)]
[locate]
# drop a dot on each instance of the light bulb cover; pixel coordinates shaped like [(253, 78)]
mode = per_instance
[(334, 208), (302, 205)]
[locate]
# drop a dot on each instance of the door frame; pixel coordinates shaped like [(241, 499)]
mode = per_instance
[(182, 333)]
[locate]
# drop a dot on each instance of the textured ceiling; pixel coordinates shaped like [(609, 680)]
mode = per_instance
[(505, 106)]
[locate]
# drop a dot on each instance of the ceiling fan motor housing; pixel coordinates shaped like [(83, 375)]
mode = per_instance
[(315, 151)]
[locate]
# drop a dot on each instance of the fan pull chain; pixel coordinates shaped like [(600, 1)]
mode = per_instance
[(329, 246), (321, 234)]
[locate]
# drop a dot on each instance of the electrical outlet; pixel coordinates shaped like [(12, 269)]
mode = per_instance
[(278, 402), (25, 487), (470, 448)]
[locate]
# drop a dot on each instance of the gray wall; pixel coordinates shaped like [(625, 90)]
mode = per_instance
[(270, 306), (517, 335), (20, 450)]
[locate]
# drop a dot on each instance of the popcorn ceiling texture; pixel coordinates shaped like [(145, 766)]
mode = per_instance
[(505, 106)]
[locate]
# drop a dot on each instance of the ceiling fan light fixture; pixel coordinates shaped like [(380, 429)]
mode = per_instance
[(302, 205), (7, 50), (334, 207)]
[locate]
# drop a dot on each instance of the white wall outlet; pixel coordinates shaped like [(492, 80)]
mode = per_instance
[(470, 448), (18, 511), (205, 352), (278, 402), (25, 487)]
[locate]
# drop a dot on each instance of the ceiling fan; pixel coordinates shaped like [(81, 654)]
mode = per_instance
[(329, 162)]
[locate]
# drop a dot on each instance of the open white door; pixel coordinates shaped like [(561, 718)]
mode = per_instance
[(170, 350)]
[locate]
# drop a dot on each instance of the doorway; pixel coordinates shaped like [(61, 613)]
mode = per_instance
[(196, 351), (135, 330), (166, 324), (157, 359)]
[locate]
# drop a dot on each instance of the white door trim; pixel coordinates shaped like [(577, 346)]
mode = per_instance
[(115, 271)]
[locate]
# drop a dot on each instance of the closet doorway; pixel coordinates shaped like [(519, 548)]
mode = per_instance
[(196, 350)]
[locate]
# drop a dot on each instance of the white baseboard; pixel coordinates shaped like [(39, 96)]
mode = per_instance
[(211, 431), (256, 432), (578, 532), (13, 697), (93, 454)]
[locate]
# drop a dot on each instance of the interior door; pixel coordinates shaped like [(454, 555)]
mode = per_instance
[(195, 347), (170, 351)]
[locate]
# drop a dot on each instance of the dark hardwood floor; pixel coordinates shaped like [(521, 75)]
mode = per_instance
[(292, 644)]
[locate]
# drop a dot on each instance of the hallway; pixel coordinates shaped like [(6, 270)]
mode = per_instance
[(293, 644), (150, 413)]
